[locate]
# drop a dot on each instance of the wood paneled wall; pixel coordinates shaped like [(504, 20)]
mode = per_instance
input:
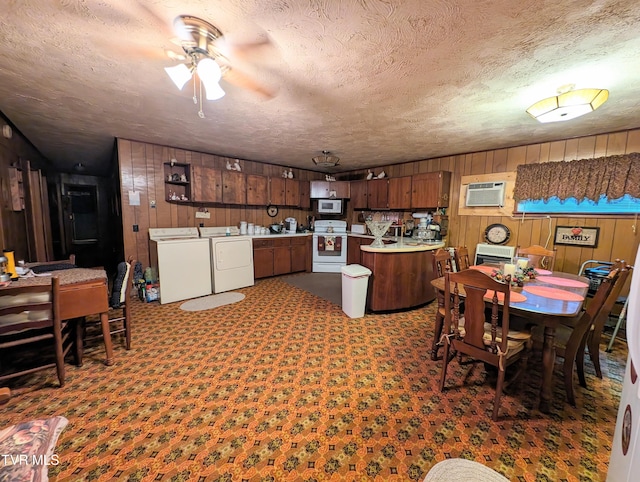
[(142, 170), (13, 224), (619, 235)]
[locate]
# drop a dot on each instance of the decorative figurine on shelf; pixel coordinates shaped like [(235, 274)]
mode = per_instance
[(236, 166), (183, 178), (173, 162), (284, 174), (290, 175), (183, 198), (229, 166), (169, 177), (369, 175), (329, 178), (381, 175)]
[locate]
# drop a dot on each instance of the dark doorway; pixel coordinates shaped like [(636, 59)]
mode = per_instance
[(82, 229)]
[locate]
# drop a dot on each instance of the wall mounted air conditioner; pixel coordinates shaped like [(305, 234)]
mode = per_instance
[(485, 194)]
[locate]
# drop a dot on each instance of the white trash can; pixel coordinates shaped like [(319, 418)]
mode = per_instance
[(355, 279)]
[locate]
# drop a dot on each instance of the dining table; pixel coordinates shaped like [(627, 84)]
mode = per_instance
[(83, 292), (548, 300)]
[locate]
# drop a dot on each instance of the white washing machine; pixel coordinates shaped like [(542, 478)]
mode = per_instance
[(183, 263), (231, 258)]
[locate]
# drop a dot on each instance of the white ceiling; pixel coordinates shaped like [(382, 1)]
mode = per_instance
[(373, 81)]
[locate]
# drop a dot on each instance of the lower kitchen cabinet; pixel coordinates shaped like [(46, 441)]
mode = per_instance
[(353, 248), (280, 255)]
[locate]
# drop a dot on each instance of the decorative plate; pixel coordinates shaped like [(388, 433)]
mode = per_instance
[(497, 233), (272, 211)]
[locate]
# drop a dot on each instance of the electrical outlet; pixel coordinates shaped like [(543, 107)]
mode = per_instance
[(152, 204), (203, 215), (135, 228)]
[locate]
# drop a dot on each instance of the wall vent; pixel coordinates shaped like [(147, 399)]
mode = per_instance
[(485, 194)]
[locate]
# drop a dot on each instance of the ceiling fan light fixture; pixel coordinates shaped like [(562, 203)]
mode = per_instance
[(210, 74), (326, 160), (568, 105), (179, 74)]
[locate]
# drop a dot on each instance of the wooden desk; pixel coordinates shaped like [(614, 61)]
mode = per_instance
[(83, 292), (545, 312)]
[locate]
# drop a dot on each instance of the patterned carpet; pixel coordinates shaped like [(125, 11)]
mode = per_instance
[(283, 386)]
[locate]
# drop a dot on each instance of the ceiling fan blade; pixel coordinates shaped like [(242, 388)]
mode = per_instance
[(260, 50), (170, 27), (242, 80)]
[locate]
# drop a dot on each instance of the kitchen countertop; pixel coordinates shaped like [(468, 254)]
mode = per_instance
[(403, 247), (285, 235)]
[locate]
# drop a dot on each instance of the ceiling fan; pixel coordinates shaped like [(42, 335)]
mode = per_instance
[(205, 54)]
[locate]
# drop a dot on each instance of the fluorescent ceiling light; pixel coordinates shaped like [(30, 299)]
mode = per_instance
[(568, 105)]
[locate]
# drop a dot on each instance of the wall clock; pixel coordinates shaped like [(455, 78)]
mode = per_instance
[(497, 233), (272, 211)]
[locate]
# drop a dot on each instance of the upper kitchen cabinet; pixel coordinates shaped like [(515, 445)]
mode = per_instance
[(292, 192), (177, 182), (378, 194), (257, 190), (305, 194), (234, 185), (430, 190), (358, 193), (207, 185), (277, 191), (330, 189), (400, 192)]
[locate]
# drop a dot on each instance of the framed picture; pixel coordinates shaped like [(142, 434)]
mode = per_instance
[(577, 236)]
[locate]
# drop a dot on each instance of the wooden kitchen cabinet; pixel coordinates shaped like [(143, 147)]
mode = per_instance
[(358, 194), (206, 185), (257, 190), (234, 187), (400, 192), (277, 191), (292, 192), (353, 248), (280, 255), (325, 189), (430, 190), (378, 194), (305, 194)]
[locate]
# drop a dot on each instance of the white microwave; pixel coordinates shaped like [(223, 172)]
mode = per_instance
[(329, 206)]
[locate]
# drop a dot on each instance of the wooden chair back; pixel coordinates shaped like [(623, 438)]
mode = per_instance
[(443, 261), (574, 349), (469, 335), (539, 257), (462, 258), (30, 314), (597, 327)]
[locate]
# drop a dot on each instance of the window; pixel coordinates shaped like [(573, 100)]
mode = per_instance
[(623, 205)]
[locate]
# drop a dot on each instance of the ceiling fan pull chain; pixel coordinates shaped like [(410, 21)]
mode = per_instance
[(200, 112), (195, 97)]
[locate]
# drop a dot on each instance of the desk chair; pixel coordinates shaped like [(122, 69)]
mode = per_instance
[(28, 315), (539, 257), (119, 308), (481, 338), (443, 263)]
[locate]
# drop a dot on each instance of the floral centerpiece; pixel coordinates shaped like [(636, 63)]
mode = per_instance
[(518, 279)]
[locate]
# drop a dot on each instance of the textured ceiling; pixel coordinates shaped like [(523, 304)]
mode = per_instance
[(373, 81)]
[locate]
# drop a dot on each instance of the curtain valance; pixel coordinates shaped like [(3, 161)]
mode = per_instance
[(613, 176)]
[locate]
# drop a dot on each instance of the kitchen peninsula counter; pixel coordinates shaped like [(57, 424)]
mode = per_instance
[(401, 275)]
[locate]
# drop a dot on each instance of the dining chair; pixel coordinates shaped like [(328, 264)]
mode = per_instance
[(594, 335), (539, 257), (571, 337), (461, 255), (119, 309), (478, 333), (30, 317), (442, 263)]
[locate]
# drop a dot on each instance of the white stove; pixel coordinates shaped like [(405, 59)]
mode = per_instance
[(329, 246), (231, 258), (182, 260)]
